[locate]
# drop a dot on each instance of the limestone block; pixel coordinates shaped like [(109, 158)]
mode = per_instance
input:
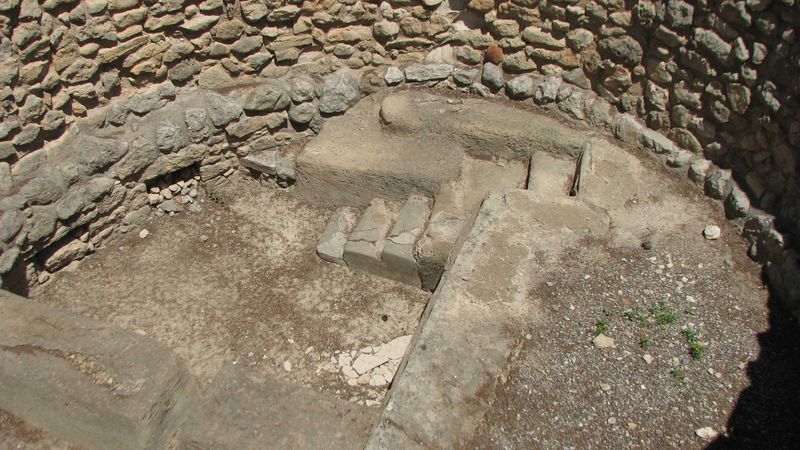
[(364, 247), (238, 414), (64, 255), (428, 72), (340, 92), (80, 379), (330, 246), (265, 161), (221, 109), (398, 258)]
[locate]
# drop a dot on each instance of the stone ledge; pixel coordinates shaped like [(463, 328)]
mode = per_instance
[(88, 382), (444, 385)]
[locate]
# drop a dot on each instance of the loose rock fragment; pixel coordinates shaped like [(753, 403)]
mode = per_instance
[(706, 433), (603, 341), (712, 232)]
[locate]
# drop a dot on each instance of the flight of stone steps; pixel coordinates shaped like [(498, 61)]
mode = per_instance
[(413, 241), (381, 241)]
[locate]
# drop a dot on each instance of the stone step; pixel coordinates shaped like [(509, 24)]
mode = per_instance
[(551, 174), (398, 261), (364, 247), (330, 246), (455, 207), (237, 413)]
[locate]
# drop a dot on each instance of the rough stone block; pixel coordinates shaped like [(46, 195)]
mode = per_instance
[(331, 243), (265, 161), (364, 247), (398, 252), (428, 72), (88, 382), (627, 129)]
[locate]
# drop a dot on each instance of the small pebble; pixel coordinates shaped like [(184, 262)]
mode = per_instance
[(706, 433), (144, 233), (712, 232), (287, 366), (603, 341), (647, 245), (648, 358), (203, 238)]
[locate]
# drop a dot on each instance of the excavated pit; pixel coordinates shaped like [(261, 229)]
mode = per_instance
[(308, 305)]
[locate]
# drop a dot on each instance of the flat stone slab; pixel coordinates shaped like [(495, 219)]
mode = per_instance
[(485, 128), (330, 246), (240, 414), (364, 247), (86, 381), (265, 161), (446, 384), (398, 252), (550, 174)]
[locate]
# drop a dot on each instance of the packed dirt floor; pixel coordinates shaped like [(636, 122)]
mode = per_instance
[(240, 282)]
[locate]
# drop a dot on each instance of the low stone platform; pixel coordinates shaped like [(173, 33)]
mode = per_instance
[(89, 382), (240, 414)]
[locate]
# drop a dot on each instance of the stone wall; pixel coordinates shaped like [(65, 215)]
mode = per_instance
[(717, 80)]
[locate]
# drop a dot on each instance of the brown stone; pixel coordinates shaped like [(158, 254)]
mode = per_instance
[(494, 54)]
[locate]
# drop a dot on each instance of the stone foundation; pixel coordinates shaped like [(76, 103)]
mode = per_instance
[(710, 88)]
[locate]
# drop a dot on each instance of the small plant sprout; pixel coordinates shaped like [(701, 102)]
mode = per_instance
[(634, 316), (696, 348), (678, 376), (645, 342), (663, 314), (600, 328)]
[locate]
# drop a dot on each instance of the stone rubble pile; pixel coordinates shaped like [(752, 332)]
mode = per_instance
[(370, 366), (175, 192)]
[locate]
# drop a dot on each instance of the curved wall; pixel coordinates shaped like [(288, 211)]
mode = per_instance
[(717, 78)]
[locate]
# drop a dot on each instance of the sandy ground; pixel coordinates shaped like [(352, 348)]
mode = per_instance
[(241, 282)]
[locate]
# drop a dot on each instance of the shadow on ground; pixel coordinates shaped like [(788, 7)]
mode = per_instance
[(16, 280), (767, 414)]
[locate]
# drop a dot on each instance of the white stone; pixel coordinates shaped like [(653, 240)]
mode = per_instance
[(394, 76), (377, 380), (712, 232), (603, 341), (706, 433), (365, 363), (349, 373), (287, 366), (144, 233), (395, 349), (648, 358)]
